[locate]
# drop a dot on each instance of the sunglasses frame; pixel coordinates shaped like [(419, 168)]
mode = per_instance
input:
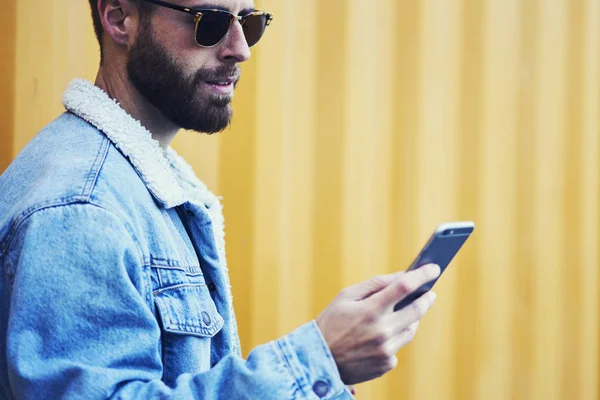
[(199, 13)]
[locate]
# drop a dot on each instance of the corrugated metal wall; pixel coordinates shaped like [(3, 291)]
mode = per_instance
[(359, 127)]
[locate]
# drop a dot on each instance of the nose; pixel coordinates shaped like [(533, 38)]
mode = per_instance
[(234, 48)]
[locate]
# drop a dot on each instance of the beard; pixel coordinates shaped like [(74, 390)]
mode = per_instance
[(178, 96)]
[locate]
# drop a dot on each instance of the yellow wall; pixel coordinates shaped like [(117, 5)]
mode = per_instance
[(360, 126)]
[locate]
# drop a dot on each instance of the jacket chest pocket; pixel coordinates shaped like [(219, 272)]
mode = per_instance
[(184, 303)]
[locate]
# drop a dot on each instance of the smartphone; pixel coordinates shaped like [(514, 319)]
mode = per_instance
[(441, 248)]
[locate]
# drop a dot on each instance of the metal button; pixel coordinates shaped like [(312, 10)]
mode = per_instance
[(206, 318), (321, 388), (212, 287)]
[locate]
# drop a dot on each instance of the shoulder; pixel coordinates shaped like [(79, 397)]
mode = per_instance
[(69, 162)]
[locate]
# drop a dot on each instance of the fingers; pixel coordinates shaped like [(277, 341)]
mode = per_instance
[(405, 337), (411, 314), (401, 326), (365, 289), (401, 339), (405, 284)]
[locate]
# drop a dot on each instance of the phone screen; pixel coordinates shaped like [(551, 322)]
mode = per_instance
[(441, 250)]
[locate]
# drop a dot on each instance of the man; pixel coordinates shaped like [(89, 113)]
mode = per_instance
[(113, 279)]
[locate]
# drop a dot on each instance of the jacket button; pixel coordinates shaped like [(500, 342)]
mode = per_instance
[(190, 213), (212, 287), (206, 318), (320, 388)]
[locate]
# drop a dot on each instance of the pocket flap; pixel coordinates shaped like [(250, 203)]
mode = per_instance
[(188, 309)]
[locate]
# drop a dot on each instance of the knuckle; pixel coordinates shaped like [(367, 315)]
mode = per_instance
[(382, 339), (412, 329), (386, 364), (389, 350), (420, 306), (391, 363), (411, 332), (385, 345), (404, 288), (371, 315)]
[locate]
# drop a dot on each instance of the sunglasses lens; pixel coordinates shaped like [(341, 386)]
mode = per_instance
[(254, 27), (212, 27)]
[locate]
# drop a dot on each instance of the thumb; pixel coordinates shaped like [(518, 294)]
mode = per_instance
[(363, 290)]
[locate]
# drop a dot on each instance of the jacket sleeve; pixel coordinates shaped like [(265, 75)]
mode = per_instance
[(80, 326)]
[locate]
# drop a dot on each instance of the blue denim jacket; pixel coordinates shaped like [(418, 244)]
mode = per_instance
[(113, 278)]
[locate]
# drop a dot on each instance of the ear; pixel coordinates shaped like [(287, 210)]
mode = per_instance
[(119, 20)]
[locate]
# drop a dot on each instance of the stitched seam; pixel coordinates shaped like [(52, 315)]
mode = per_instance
[(158, 277), (189, 327), (147, 273), (183, 285), (123, 220), (298, 380), (29, 213), (32, 210), (179, 269), (96, 168), (164, 263), (330, 358)]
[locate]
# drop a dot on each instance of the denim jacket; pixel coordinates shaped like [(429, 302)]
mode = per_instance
[(113, 278)]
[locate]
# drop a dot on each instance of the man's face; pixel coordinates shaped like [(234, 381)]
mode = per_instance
[(192, 86)]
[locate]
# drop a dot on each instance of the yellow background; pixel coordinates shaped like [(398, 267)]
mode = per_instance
[(359, 126)]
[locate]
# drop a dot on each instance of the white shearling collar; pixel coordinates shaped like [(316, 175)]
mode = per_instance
[(167, 176)]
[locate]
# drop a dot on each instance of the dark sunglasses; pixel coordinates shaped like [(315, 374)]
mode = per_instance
[(213, 25)]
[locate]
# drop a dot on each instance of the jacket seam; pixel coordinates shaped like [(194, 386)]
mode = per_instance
[(96, 168), (131, 232), (75, 201), (16, 224), (84, 197), (298, 380)]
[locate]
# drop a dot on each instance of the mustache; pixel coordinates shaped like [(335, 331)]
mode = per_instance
[(225, 72)]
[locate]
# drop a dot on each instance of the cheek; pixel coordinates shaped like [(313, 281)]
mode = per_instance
[(181, 47), (175, 37)]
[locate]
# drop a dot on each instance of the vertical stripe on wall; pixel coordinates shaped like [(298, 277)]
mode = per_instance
[(7, 85)]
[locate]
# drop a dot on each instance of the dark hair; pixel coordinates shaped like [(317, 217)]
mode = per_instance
[(144, 7)]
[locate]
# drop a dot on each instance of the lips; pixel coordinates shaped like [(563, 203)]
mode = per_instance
[(220, 83), (225, 81), (221, 86)]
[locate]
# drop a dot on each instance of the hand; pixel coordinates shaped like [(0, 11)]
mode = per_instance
[(363, 331)]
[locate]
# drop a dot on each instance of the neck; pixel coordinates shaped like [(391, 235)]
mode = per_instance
[(118, 86)]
